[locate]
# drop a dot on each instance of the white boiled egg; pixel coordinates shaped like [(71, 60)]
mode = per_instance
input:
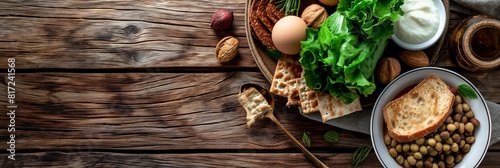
[(287, 34)]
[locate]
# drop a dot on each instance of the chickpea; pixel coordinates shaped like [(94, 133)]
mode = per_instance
[(450, 159), (451, 127), (450, 165), (456, 124), (446, 147), (465, 107), (406, 164), (394, 143), (428, 164), (419, 164), (456, 138), (458, 108), (454, 147), (458, 158), (387, 140), (417, 155), (438, 146), (464, 119), (441, 164), (430, 159), (441, 156), (474, 122), (431, 142), (469, 114), (400, 160), (414, 147), (458, 99), (457, 117), (442, 128), (411, 160), (406, 147), (420, 141), (449, 120), (393, 152), (423, 150), (437, 137), (469, 127), (470, 140), (448, 141), (399, 148), (444, 134), (466, 148), (432, 152), (461, 128), (435, 165), (461, 143)]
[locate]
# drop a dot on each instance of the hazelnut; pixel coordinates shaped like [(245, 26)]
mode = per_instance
[(414, 59), (226, 49), (314, 15), (388, 69), (222, 19)]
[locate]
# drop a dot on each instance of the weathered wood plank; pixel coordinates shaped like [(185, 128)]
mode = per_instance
[(155, 111), (126, 34), (117, 34), (243, 159)]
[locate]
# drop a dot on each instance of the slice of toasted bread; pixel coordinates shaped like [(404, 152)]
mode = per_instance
[(420, 111)]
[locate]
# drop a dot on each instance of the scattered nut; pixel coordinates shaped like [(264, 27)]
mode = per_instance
[(222, 19), (388, 69), (414, 59), (314, 15), (226, 49)]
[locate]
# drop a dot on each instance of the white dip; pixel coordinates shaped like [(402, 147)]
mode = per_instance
[(419, 22)]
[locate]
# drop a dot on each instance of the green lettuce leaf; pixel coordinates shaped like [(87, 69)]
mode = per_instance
[(340, 57)]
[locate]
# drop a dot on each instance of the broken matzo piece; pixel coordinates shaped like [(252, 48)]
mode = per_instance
[(254, 103), (331, 107), (288, 68), (292, 88), (308, 100)]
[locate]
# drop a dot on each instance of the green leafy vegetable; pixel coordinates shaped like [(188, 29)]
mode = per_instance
[(331, 136), (466, 91), (275, 54), (360, 155), (340, 57), (291, 7), (305, 139)]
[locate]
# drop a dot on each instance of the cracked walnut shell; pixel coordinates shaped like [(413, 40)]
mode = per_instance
[(388, 69), (314, 15), (226, 49)]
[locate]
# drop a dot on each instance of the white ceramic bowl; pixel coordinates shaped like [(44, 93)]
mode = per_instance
[(434, 39), (453, 79)]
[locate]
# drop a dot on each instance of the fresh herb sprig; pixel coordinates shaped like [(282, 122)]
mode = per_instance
[(291, 7), (331, 136), (305, 139), (360, 155), (466, 91)]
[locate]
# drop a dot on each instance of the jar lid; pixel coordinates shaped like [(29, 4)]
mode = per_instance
[(482, 43)]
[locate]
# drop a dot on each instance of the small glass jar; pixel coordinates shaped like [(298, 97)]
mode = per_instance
[(475, 42)]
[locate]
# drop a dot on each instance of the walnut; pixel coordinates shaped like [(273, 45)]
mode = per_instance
[(414, 59), (388, 69), (226, 49), (314, 15)]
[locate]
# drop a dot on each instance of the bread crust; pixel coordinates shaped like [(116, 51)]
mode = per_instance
[(399, 108)]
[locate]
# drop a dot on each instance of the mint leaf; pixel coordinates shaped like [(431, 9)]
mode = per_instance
[(466, 91), (305, 139), (331, 136)]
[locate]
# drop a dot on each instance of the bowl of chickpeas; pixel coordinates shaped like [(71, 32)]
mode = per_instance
[(461, 141)]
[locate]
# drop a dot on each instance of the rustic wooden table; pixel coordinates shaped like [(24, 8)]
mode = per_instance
[(125, 83)]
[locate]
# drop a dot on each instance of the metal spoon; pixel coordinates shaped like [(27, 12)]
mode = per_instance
[(270, 115)]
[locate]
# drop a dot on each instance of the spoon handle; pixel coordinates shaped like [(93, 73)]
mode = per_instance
[(309, 155)]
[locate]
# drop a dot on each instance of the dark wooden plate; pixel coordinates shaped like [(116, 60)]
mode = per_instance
[(267, 65)]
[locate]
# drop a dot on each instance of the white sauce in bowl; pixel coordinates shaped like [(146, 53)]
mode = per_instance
[(419, 22)]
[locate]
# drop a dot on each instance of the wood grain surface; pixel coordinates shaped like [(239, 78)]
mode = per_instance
[(122, 83)]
